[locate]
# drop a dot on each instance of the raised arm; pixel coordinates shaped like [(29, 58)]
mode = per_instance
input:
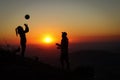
[(26, 28)]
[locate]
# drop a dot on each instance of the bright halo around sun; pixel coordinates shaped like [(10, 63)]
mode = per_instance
[(48, 39)]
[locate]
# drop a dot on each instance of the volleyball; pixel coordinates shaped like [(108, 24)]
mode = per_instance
[(27, 16)]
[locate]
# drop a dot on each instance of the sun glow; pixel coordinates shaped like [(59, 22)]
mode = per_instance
[(48, 39)]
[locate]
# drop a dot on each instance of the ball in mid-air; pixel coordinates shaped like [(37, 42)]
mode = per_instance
[(27, 16)]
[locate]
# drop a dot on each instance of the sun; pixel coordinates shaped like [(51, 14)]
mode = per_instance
[(48, 39)]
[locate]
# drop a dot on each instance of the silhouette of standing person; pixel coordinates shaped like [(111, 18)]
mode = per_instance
[(19, 30), (64, 50)]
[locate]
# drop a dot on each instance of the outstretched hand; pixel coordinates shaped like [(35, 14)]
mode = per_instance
[(57, 44)]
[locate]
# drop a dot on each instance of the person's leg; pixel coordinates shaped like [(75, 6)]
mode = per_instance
[(62, 62), (23, 46), (67, 62)]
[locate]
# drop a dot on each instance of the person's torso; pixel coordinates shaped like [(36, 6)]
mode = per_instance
[(64, 43), (22, 37)]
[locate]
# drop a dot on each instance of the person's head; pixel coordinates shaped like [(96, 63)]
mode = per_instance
[(19, 30), (64, 34)]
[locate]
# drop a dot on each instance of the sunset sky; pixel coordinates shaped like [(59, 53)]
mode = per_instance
[(83, 20)]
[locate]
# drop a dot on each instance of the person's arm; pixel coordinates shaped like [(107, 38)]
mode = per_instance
[(26, 28), (58, 46)]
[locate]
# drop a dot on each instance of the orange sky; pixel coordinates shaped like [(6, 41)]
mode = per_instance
[(83, 20)]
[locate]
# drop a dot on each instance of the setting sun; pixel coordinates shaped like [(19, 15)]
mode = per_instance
[(48, 39)]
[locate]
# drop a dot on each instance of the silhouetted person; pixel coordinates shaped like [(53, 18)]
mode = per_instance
[(19, 30), (64, 50)]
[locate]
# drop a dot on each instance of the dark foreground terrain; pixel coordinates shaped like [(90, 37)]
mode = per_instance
[(13, 66), (106, 63), (94, 65)]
